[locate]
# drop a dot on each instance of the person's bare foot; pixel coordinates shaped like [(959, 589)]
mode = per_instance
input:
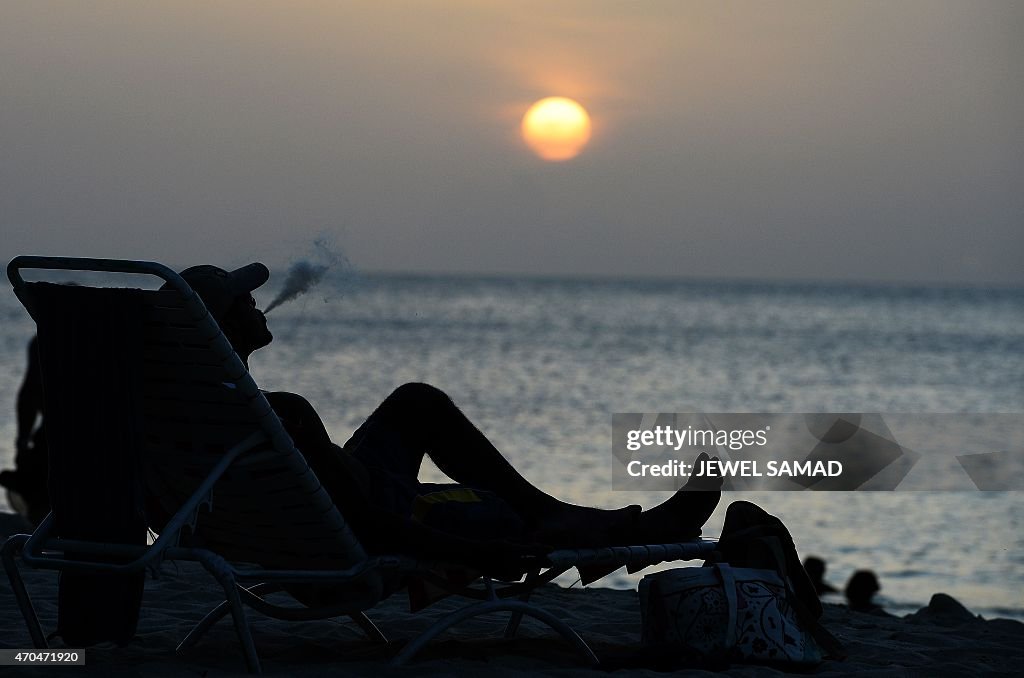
[(703, 483), (681, 516)]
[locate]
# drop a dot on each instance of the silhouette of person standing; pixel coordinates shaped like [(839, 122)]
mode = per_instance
[(27, 484)]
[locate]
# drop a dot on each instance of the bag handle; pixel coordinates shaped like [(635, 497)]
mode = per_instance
[(729, 587), (828, 642), (824, 638)]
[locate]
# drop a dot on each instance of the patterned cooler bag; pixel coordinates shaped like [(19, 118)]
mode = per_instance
[(718, 611)]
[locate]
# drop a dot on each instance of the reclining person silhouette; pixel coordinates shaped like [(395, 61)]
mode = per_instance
[(373, 478)]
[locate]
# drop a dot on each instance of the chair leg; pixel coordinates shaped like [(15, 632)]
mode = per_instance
[(252, 660), (204, 625), (218, 613), (489, 606), (513, 621), (7, 553), (222, 610), (369, 628), (222, 572)]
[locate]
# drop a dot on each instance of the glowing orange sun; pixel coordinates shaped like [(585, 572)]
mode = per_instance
[(556, 128)]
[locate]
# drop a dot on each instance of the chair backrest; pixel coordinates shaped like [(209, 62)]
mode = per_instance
[(198, 400)]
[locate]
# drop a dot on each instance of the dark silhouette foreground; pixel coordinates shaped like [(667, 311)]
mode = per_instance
[(152, 433)]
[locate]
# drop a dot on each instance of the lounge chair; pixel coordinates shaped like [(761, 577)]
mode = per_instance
[(215, 460)]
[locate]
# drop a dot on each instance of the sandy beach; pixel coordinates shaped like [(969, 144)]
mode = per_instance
[(937, 640)]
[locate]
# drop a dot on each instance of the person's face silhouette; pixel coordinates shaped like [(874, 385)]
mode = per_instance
[(246, 326)]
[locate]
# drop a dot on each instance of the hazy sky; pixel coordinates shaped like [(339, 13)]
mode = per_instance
[(835, 140)]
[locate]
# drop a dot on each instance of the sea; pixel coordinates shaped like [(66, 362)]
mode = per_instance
[(541, 364)]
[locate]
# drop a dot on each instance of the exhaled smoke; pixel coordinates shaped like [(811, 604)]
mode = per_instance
[(305, 275), (302, 276)]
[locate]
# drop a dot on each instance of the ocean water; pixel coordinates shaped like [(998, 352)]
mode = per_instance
[(541, 364)]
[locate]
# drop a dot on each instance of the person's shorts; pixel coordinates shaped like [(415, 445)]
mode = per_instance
[(456, 509)]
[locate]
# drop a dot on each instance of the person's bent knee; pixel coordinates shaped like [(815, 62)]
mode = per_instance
[(420, 394)]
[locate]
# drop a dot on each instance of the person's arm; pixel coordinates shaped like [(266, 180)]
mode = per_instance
[(30, 399)]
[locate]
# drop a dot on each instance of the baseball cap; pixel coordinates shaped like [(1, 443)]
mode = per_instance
[(219, 288)]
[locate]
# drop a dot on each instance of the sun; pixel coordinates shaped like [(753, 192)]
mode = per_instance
[(556, 128)]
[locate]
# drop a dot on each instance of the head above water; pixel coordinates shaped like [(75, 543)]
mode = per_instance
[(815, 568), (228, 297), (863, 585)]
